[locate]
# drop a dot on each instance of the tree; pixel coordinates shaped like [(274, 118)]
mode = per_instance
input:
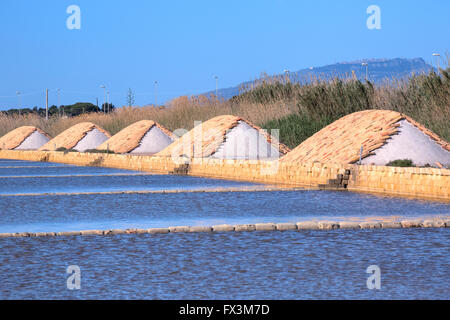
[(130, 97), (80, 108), (53, 110), (108, 107)]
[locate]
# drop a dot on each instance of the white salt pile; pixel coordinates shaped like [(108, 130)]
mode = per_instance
[(246, 142), (91, 140), (409, 143), (226, 137), (80, 137), (153, 141), (24, 138), (382, 136), (33, 142), (142, 137)]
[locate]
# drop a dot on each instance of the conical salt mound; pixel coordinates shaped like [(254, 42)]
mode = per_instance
[(226, 137), (142, 137), (81, 137), (24, 138), (384, 136)]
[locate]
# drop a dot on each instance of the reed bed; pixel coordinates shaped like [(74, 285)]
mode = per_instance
[(298, 110)]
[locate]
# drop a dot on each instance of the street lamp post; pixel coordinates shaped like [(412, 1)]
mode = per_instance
[(57, 95), (437, 55), (18, 101), (156, 92), (217, 87), (104, 91), (46, 103), (286, 75), (107, 101), (365, 64)]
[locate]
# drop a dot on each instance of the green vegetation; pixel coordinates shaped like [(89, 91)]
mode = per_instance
[(401, 163), (99, 151), (318, 104), (79, 108), (62, 149), (268, 92), (296, 127), (69, 110), (425, 98)]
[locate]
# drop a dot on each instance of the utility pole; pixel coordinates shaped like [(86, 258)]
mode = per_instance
[(156, 93), (46, 104)]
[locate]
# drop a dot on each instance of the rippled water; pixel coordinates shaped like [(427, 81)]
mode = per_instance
[(50, 169), (121, 211), (414, 264), (259, 265), (47, 178)]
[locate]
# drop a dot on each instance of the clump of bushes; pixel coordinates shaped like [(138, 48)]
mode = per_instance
[(99, 151), (65, 150), (62, 149), (401, 163), (296, 127)]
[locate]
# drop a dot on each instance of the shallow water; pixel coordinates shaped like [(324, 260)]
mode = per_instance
[(122, 211), (414, 264), (46, 169), (47, 213), (22, 163), (107, 181), (248, 265)]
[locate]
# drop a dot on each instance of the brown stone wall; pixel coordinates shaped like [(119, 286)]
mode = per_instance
[(414, 182)]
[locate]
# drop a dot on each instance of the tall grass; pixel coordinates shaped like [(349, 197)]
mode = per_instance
[(298, 110), (181, 114), (425, 98)]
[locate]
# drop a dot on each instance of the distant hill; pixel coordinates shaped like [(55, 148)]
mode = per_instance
[(379, 70)]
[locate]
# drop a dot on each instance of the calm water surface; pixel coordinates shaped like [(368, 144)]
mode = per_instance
[(249, 265)]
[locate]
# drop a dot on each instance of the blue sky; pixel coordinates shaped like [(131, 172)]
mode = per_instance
[(183, 44)]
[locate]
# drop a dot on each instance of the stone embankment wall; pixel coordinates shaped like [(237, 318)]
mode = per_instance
[(432, 222), (412, 182)]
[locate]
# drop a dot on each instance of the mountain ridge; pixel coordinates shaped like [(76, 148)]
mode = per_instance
[(379, 71)]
